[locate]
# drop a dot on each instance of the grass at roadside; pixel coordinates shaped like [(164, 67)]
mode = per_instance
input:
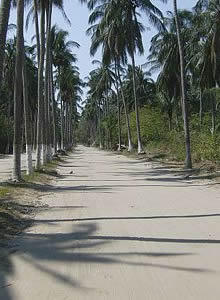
[(20, 201)]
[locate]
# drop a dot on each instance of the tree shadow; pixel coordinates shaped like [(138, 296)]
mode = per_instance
[(128, 218), (83, 246)]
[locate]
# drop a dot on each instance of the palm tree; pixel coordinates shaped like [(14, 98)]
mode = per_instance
[(4, 18), (40, 118), (188, 161), (130, 31), (16, 174), (61, 58), (113, 51)]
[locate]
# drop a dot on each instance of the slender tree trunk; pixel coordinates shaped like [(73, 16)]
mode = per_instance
[(35, 131), (27, 121), (66, 125), (53, 109), (99, 124), (170, 117), (16, 173), (8, 125), (200, 107), (140, 147), (40, 119), (213, 102), (47, 84), (130, 144), (4, 18), (118, 107), (70, 123), (37, 30), (188, 161), (62, 124), (106, 116)]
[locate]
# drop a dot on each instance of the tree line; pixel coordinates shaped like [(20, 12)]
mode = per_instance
[(41, 88), (40, 84), (184, 99)]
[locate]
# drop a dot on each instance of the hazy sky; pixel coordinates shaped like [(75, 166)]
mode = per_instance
[(78, 15)]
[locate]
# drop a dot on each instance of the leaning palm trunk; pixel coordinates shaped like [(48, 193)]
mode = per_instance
[(140, 147), (188, 161), (40, 119), (130, 144), (27, 122), (16, 173), (4, 18)]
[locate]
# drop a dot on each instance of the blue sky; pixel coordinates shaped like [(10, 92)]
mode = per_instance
[(78, 15)]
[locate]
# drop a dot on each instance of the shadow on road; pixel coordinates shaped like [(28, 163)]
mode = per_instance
[(39, 249)]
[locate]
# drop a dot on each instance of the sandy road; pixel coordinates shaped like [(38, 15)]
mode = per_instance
[(6, 165), (119, 229)]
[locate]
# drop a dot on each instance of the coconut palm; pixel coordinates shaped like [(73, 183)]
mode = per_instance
[(188, 160), (61, 58), (130, 31)]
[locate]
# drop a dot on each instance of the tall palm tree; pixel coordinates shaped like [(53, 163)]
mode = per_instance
[(61, 58), (40, 118), (108, 36), (4, 18), (188, 161), (16, 173), (130, 31)]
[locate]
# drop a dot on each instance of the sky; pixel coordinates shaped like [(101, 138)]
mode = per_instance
[(78, 15)]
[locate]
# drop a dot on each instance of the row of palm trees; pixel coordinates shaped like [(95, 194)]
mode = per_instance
[(185, 53), (115, 26), (42, 76)]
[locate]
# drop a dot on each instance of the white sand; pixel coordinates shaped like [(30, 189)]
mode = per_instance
[(119, 229)]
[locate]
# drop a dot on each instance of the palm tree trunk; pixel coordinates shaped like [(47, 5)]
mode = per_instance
[(62, 124), (71, 125), (66, 125), (188, 161), (213, 102), (170, 117), (118, 107), (40, 119), (53, 110), (47, 84), (140, 147), (99, 125), (16, 173), (37, 30), (4, 18), (27, 121), (200, 107), (130, 144)]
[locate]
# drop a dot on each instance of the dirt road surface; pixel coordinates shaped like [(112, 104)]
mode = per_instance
[(118, 228), (6, 165)]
